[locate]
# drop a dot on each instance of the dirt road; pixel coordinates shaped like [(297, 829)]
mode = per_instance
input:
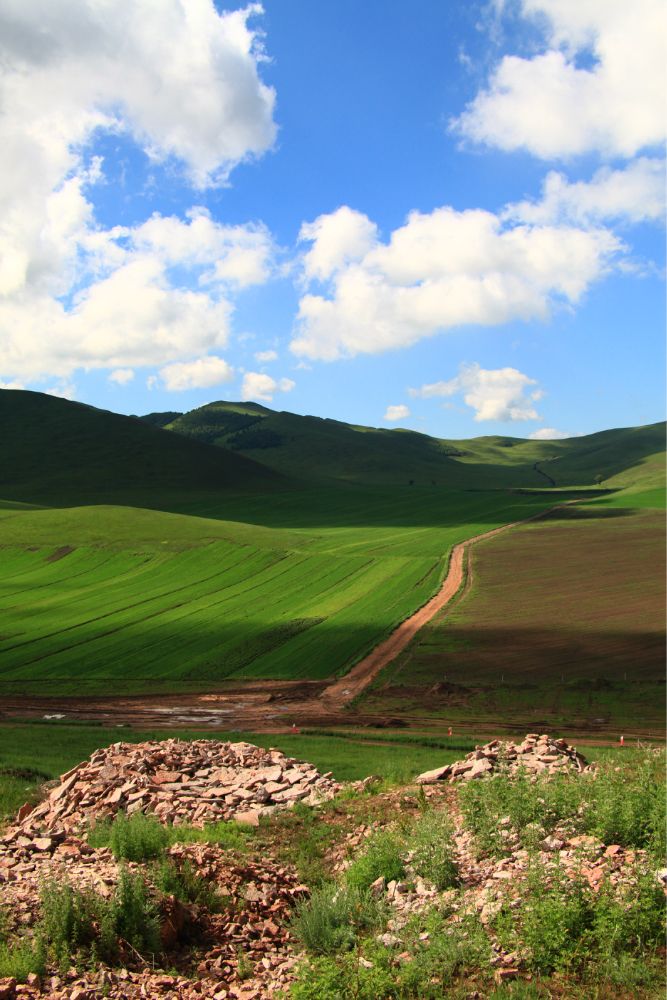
[(341, 692)]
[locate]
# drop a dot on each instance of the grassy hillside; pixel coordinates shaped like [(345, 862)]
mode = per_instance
[(53, 450), (316, 448)]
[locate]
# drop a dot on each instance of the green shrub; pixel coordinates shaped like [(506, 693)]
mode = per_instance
[(332, 918), (382, 857), (135, 915), (19, 958), (507, 806), (626, 803), (78, 922), (131, 838), (68, 920), (326, 979), (563, 924), (305, 842), (432, 850), (230, 835)]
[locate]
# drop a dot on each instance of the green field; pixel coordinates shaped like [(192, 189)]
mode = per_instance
[(148, 599), (563, 622)]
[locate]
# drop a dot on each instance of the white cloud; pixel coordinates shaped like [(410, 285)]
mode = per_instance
[(182, 81), (502, 394), (200, 374), (265, 356), (12, 385), (553, 106), (259, 386), (399, 412), (633, 194), (121, 376), (549, 434), (336, 239), (65, 390), (445, 269)]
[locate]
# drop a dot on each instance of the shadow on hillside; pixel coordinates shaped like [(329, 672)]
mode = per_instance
[(572, 514), (172, 656), (570, 656)]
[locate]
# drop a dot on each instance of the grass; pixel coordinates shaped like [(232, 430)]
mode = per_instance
[(299, 589), (142, 837), (572, 638)]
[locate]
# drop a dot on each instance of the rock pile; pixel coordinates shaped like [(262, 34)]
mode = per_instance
[(195, 782), (535, 754), (244, 947)]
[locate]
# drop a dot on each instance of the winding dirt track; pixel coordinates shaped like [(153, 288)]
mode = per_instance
[(337, 695)]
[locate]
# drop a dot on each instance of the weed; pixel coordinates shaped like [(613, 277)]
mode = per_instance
[(135, 917), (230, 835), (303, 839), (131, 838), (433, 960), (330, 920), (80, 922), (432, 850), (186, 884), (19, 958), (382, 858), (244, 967), (562, 924), (68, 920)]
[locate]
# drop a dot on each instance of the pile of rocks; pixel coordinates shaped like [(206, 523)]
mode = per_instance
[(245, 949), (195, 782), (534, 754)]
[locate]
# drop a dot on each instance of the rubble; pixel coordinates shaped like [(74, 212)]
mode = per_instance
[(196, 782), (535, 754)]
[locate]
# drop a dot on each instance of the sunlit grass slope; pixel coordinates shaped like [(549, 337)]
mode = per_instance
[(97, 597)]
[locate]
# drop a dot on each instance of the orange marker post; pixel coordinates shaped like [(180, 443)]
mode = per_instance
[(621, 741)]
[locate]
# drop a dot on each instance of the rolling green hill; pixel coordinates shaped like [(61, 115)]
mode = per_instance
[(162, 561), (53, 450), (325, 450)]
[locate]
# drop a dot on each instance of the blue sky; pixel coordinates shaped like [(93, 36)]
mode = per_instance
[(444, 216)]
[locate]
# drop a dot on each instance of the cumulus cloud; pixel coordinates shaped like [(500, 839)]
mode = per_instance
[(200, 374), (259, 386), (503, 394), (399, 412), (554, 104), (549, 434), (265, 356), (336, 239), (121, 376), (71, 293), (635, 193), (444, 269)]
